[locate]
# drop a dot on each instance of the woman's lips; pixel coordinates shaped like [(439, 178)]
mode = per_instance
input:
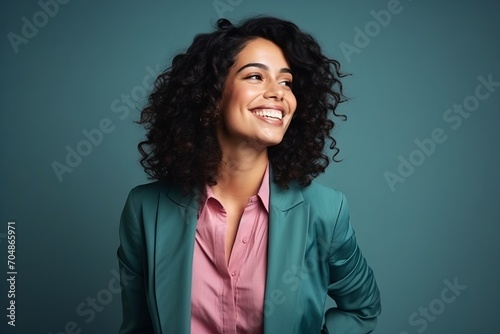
[(270, 120), (268, 113)]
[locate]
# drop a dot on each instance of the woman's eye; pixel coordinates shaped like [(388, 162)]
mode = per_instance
[(255, 77), (287, 83)]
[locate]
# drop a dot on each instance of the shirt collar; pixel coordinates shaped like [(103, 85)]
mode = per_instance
[(263, 193)]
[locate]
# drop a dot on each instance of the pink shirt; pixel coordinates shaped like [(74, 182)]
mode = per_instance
[(229, 298)]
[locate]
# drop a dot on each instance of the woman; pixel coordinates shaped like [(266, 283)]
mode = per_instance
[(234, 237)]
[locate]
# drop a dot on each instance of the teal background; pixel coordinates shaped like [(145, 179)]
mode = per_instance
[(440, 224)]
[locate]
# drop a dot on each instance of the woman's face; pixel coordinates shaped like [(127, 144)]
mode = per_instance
[(257, 101)]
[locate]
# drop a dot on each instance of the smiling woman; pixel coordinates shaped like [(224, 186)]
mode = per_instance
[(234, 236)]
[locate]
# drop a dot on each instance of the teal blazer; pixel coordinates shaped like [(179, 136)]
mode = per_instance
[(312, 253)]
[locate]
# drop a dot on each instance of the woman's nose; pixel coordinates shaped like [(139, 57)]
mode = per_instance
[(274, 90)]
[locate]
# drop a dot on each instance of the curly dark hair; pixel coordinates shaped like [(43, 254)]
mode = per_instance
[(181, 143)]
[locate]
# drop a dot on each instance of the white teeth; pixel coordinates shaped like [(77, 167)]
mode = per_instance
[(271, 113)]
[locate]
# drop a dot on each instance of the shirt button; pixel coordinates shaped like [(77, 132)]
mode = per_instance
[(233, 273), (245, 240)]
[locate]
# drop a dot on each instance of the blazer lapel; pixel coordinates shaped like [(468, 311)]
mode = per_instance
[(173, 260), (288, 224)]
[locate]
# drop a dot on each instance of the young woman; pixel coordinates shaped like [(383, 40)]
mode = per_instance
[(234, 236)]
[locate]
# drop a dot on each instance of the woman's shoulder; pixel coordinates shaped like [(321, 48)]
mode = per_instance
[(146, 190), (324, 201), (318, 192), (151, 192)]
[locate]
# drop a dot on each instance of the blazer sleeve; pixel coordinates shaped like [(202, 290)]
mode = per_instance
[(131, 255), (352, 283)]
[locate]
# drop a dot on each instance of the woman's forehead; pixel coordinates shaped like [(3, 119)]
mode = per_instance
[(261, 51)]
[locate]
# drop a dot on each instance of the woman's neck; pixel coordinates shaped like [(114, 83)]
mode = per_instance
[(240, 173)]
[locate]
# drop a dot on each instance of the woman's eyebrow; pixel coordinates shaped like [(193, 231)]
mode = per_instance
[(264, 67)]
